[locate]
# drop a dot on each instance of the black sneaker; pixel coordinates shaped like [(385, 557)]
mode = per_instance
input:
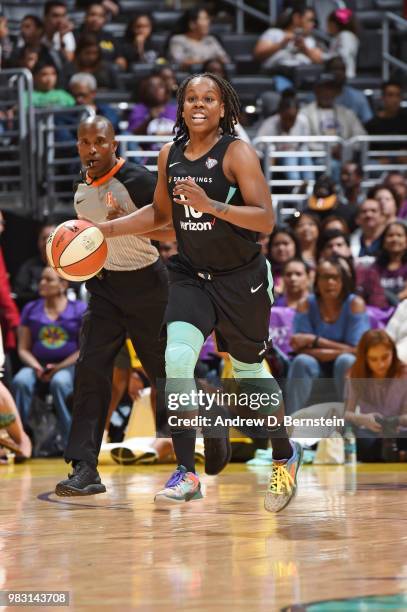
[(218, 452), (84, 480)]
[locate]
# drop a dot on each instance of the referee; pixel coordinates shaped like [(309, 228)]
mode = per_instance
[(128, 297)]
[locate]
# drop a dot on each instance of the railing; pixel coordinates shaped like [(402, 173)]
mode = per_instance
[(131, 148), (389, 59), (243, 9), (57, 160), (308, 148), (17, 146)]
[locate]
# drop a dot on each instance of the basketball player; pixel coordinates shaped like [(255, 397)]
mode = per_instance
[(128, 296), (211, 185)]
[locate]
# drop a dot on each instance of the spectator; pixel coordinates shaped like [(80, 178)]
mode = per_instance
[(83, 87), (58, 34), (296, 282), (167, 73), (388, 199), (88, 58), (30, 48), (378, 387), (342, 27), (138, 45), (264, 241), (288, 122), (167, 249), (29, 274), (154, 115), (365, 241), (112, 7), (397, 181), (296, 285), (325, 202), (283, 246), (9, 316), (194, 44), (289, 45), (334, 243), (348, 96), (306, 229), (327, 328), (391, 120), (391, 262), (6, 46), (94, 23), (48, 343), (45, 92), (326, 118), (17, 440), (334, 222), (397, 330), (351, 192)]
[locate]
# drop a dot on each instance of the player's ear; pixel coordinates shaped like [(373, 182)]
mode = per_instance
[(115, 144), (222, 110)]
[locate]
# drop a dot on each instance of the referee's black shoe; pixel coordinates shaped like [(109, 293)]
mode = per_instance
[(84, 480), (218, 452)]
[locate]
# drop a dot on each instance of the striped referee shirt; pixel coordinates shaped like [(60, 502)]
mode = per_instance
[(133, 187)]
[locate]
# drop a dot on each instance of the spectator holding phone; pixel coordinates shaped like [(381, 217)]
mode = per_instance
[(377, 386)]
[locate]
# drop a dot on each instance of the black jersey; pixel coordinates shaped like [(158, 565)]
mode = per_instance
[(205, 242)]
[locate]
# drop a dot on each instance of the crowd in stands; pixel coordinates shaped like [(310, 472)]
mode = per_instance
[(339, 262)]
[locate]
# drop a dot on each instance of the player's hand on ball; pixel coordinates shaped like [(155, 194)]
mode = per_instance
[(187, 192)]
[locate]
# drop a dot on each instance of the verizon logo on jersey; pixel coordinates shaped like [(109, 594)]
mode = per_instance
[(196, 226)]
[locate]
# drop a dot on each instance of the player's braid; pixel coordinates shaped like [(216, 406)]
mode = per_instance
[(229, 98)]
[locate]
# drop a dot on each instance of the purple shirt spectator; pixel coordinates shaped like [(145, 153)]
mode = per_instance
[(53, 340), (281, 326), (387, 396), (393, 280), (162, 124)]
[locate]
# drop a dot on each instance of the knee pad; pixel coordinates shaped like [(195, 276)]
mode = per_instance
[(184, 343)]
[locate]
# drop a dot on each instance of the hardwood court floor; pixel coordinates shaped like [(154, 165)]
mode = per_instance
[(343, 536)]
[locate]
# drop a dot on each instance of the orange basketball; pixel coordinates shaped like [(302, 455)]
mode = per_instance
[(77, 250)]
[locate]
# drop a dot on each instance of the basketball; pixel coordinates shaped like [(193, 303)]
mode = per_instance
[(76, 250)]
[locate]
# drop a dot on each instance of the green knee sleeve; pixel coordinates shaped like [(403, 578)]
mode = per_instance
[(184, 343), (256, 381)]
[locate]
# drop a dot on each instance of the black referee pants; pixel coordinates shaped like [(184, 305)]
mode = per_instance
[(120, 303)]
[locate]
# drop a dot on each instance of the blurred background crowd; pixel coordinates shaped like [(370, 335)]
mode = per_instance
[(327, 114)]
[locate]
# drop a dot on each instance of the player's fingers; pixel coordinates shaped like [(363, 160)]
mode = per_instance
[(182, 200)]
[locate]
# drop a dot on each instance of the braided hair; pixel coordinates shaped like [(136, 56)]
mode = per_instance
[(229, 98)]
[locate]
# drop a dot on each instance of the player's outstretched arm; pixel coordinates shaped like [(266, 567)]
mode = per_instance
[(242, 166), (151, 217)]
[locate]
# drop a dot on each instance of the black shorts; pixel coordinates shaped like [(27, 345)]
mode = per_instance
[(235, 304)]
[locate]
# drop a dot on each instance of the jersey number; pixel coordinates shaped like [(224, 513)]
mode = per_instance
[(191, 212)]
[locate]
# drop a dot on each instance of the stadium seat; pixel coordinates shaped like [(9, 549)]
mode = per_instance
[(116, 29), (240, 47), (166, 20), (249, 88), (159, 40), (129, 7), (370, 54)]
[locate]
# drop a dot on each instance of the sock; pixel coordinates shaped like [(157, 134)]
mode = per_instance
[(280, 442), (184, 448)]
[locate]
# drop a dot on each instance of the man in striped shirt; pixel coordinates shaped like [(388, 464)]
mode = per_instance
[(128, 297)]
